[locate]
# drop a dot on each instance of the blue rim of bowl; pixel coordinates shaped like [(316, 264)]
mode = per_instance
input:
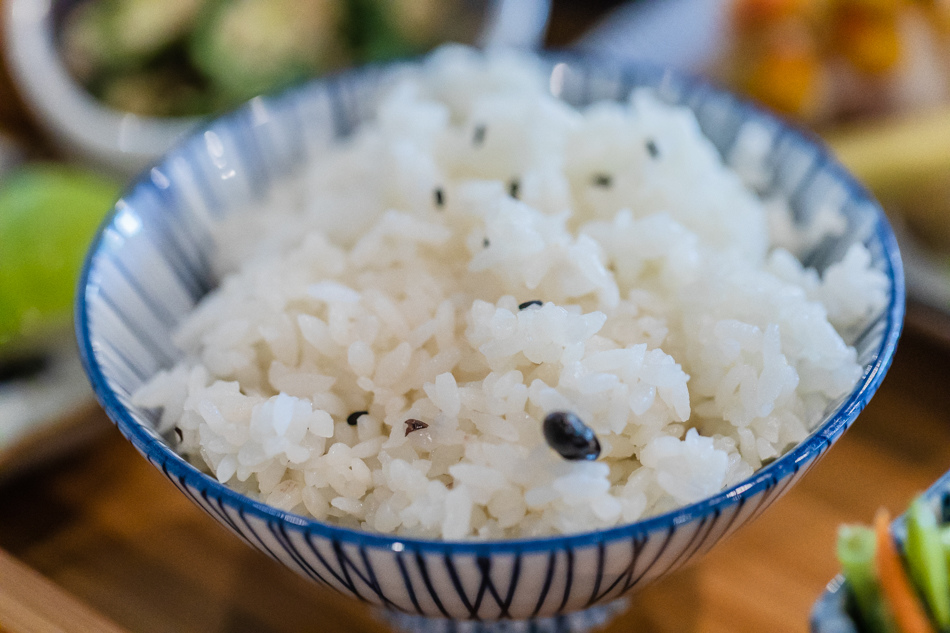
[(763, 480)]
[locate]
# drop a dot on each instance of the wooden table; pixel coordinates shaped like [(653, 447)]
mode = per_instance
[(107, 528)]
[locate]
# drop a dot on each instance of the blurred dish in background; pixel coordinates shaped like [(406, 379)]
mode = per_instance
[(196, 57), (871, 76), (884, 588), (118, 82), (819, 61), (826, 61)]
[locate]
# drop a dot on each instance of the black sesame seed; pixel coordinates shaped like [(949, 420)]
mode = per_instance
[(513, 188), (570, 437), (528, 304), (485, 243), (478, 137), (603, 180), (179, 434), (354, 417), (652, 149), (439, 197), (415, 425)]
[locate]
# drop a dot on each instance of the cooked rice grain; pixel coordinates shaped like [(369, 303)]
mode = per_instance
[(629, 277)]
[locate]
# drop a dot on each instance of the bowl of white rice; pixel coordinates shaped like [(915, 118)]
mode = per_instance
[(490, 336)]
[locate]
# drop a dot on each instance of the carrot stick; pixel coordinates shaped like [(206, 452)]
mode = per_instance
[(895, 585)]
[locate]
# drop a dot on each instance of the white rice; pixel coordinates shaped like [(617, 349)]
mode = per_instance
[(672, 324)]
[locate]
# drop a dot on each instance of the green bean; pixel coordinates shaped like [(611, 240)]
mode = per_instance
[(856, 554), (926, 561)]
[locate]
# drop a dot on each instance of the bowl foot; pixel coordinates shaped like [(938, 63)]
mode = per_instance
[(577, 622)]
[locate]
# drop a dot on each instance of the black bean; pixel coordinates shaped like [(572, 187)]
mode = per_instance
[(439, 197), (179, 434), (513, 188), (570, 437), (528, 304), (354, 417), (603, 180), (485, 243), (478, 137), (415, 425), (653, 150)]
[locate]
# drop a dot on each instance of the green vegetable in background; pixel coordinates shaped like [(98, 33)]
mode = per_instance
[(926, 561), (48, 216), (86, 40), (194, 57), (246, 47), (945, 543), (856, 554), (145, 27), (372, 31), (121, 34)]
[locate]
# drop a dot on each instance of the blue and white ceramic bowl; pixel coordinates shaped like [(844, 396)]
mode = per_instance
[(148, 267)]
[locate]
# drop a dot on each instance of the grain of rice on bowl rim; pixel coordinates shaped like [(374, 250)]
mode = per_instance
[(394, 325)]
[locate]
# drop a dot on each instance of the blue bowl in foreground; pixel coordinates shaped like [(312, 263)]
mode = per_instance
[(147, 268)]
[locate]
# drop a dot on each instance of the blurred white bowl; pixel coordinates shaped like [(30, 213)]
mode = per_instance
[(79, 124), (126, 143)]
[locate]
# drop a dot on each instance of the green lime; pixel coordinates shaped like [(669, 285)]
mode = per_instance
[(48, 216)]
